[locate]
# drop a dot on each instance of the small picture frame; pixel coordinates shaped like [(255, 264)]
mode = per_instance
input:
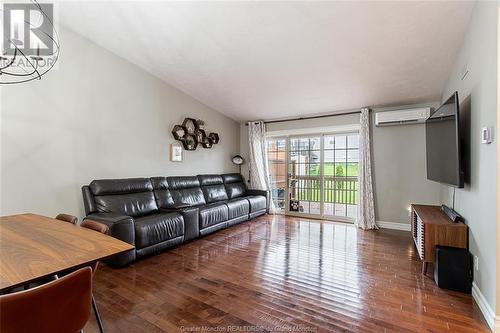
[(175, 152)]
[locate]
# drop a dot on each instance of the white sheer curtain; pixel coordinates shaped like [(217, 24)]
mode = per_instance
[(259, 175), (366, 208)]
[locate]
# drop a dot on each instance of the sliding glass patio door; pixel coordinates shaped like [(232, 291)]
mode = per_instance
[(340, 175), (304, 175), (315, 175)]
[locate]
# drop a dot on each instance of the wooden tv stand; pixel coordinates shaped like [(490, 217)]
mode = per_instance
[(431, 227)]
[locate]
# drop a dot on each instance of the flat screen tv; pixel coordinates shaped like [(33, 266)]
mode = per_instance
[(443, 142)]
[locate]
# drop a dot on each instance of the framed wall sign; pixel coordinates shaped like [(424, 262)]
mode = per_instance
[(176, 152)]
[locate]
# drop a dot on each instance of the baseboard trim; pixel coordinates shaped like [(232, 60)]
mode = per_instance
[(488, 313), (394, 225)]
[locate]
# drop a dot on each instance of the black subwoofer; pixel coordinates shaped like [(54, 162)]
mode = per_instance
[(453, 269)]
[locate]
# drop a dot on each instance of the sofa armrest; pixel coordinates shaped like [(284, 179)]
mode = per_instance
[(191, 221), (88, 200), (264, 193), (120, 227)]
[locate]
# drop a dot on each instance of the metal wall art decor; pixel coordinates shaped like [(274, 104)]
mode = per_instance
[(192, 133), (214, 137)]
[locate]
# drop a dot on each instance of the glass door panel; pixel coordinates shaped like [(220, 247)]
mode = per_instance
[(304, 175), (276, 159), (340, 190)]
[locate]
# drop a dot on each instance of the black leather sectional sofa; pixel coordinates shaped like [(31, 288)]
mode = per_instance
[(156, 213)]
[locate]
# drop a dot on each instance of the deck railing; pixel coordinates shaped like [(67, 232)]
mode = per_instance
[(340, 190)]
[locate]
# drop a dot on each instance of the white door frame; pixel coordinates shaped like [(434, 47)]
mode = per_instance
[(321, 132)]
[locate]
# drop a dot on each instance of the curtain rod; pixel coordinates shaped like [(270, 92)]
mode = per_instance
[(311, 117)]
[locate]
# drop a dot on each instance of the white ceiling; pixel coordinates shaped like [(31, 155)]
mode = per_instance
[(263, 60)]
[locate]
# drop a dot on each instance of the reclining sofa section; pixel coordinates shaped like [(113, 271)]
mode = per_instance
[(157, 213)]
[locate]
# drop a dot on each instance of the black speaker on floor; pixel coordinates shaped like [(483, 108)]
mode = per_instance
[(453, 269)]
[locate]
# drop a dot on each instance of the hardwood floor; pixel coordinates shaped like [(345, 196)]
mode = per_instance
[(283, 274)]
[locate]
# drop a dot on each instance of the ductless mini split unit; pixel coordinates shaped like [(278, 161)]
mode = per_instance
[(402, 117)]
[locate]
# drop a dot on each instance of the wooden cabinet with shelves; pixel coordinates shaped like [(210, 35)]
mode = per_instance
[(431, 227)]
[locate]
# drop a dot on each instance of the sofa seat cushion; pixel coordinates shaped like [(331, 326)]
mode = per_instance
[(156, 228), (238, 207), (212, 214), (257, 202)]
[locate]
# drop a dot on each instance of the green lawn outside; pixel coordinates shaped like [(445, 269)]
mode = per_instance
[(335, 191), (333, 196), (330, 169), (338, 191)]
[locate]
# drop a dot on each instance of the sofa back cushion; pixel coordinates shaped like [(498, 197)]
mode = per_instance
[(234, 184), (131, 197), (185, 191), (213, 188), (162, 193)]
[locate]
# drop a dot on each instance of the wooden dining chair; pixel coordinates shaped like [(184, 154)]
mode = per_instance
[(61, 217), (102, 228), (60, 306), (96, 226), (67, 218)]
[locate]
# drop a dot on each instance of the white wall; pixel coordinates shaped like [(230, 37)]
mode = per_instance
[(477, 201), (96, 116), (498, 167), (399, 167), (400, 170)]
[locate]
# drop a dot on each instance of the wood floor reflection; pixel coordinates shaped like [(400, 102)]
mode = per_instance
[(283, 274)]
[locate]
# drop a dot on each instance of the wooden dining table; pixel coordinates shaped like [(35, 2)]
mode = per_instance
[(33, 247)]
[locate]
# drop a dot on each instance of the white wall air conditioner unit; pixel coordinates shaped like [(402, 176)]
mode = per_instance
[(402, 117)]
